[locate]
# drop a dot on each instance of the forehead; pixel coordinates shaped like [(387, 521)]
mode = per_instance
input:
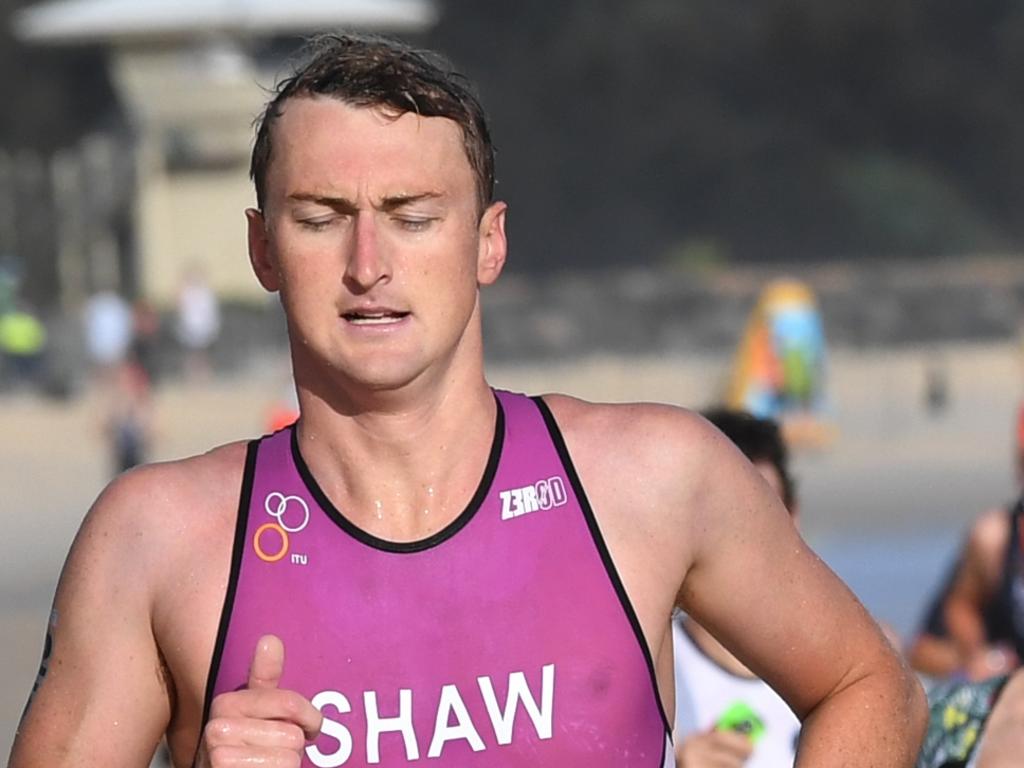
[(326, 142)]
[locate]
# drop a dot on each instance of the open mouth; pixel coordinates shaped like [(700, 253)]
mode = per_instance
[(374, 318)]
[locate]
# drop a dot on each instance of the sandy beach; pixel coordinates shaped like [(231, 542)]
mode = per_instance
[(893, 471)]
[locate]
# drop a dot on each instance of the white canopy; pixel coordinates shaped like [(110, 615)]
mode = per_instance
[(96, 21)]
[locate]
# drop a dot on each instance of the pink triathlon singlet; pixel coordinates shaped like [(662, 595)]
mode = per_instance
[(504, 640)]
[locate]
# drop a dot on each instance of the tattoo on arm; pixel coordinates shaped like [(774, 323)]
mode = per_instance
[(45, 663)]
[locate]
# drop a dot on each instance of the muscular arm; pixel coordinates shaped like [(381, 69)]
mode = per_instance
[(103, 700), (754, 583), (137, 608), (705, 519)]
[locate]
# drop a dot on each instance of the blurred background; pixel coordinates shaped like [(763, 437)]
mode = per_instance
[(666, 164)]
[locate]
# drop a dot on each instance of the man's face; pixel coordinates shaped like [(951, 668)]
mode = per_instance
[(372, 235)]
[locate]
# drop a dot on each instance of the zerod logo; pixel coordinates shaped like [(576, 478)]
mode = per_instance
[(544, 494)]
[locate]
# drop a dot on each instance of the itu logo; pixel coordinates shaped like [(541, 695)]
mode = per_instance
[(271, 541)]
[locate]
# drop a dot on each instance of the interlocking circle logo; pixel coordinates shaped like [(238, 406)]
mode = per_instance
[(277, 505), (291, 514)]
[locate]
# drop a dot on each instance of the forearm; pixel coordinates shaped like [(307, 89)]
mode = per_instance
[(934, 656), (966, 628), (876, 722)]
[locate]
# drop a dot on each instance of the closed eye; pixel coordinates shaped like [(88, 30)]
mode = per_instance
[(317, 225), (414, 223)]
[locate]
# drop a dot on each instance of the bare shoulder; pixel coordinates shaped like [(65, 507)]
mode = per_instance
[(143, 513), (146, 495), (163, 533), (671, 494), (990, 530), (645, 431), (647, 468), (674, 449), (987, 539), (985, 549), (661, 471)]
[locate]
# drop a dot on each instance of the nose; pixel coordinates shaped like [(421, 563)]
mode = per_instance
[(367, 264)]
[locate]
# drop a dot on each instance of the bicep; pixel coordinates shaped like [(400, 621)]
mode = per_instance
[(102, 699), (764, 593)]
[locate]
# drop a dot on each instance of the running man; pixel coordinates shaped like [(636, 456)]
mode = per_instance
[(424, 568)]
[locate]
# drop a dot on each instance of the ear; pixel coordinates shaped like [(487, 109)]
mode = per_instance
[(260, 256), (492, 245)]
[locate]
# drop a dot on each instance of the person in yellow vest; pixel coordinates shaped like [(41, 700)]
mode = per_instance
[(22, 344)]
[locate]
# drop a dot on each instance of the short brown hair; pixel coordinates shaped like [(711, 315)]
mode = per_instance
[(373, 71)]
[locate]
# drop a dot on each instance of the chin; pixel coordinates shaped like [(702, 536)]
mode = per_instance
[(380, 378)]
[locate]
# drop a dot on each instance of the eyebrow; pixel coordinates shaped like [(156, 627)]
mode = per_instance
[(345, 205)]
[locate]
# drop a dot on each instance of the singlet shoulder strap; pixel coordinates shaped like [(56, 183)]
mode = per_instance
[(237, 549), (556, 437)]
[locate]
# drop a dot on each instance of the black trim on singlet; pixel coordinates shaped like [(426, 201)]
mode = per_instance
[(237, 549), (434, 539), (606, 558)]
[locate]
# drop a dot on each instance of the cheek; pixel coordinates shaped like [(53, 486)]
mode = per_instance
[(446, 269), (306, 290), (306, 270), (460, 284), (450, 289)]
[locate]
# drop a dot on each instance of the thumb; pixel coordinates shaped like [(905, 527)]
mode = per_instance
[(267, 662)]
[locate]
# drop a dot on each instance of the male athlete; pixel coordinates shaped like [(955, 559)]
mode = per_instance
[(424, 570)]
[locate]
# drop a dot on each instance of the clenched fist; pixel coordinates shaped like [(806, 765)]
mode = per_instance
[(261, 724)]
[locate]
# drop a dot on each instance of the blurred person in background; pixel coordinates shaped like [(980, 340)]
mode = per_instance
[(22, 346), (129, 414), (931, 651), (984, 608), (976, 724), (974, 626), (725, 715), (107, 324), (197, 322), (145, 346), (470, 575)]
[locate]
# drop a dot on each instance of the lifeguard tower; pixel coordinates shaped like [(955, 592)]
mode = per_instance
[(190, 75)]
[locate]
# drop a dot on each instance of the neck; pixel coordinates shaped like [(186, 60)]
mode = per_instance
[(400, 465), (715, 651)]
